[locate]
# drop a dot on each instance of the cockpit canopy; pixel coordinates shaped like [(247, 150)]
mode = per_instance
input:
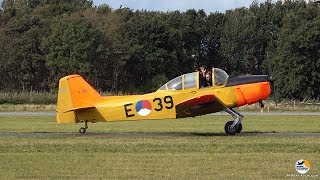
[(220, 77), (191, 80)]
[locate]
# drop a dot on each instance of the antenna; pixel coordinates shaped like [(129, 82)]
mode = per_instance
[(177, 70)]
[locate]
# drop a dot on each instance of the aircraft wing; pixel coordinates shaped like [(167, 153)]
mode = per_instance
[(205, 104)]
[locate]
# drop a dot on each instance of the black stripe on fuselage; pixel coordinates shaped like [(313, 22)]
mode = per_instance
[(247, 80)]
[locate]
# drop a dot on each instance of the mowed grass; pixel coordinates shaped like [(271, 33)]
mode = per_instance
[(192, 148)]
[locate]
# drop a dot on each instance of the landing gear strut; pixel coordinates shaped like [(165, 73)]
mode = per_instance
[(82, 130), (235, 126)]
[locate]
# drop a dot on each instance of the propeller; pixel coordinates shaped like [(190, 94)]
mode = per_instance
[(271, 80)]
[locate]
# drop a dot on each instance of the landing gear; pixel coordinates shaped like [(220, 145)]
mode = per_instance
[(235, 126), (239, 128), (232, 130), (83, 130)]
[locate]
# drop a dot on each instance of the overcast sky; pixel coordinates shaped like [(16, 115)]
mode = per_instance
[(182, 5)]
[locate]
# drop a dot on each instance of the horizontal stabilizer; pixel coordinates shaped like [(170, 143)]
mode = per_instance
[(80, 108), (74, 94)]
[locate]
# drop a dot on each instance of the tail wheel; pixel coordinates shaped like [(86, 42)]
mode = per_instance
[(232, 130), (82, 130)]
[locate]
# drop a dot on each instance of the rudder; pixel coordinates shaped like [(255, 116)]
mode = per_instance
[(74, 93)]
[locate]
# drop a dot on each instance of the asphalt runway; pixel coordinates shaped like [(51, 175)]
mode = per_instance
[(246, 113), (160, 134)]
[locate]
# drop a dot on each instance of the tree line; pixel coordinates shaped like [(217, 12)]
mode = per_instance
[(137, 51)]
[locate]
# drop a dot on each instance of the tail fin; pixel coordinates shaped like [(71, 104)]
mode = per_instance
[(74, 93)]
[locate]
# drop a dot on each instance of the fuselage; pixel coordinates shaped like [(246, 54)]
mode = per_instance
[(180, 97), (163, 104)]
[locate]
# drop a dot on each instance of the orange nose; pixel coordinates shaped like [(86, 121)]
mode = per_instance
[(252, 93)]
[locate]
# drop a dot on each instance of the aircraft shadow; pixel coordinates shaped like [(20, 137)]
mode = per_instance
[(153, 134)]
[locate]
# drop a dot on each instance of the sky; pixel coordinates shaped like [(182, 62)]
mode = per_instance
[(172, 5), (182, 5)]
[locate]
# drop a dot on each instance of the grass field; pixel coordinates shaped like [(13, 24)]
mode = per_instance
[(192, 148)]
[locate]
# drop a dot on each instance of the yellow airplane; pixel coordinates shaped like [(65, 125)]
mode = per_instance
[(181, 97)]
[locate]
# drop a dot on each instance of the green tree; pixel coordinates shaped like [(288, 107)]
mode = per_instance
[(75, 46), (22, 60), (237, 42), (215, 25), (297, 60), (23, 26), (194, 38), (149, 53), (112, 24), (122, 50)]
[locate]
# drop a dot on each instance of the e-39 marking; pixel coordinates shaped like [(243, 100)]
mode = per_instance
[(144, 107)]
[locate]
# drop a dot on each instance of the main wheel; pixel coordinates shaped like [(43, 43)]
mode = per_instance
[(82, 130), (231, 130), (239, 128)]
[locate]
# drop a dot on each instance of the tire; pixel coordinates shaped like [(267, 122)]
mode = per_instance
[(239, 128), (82, 130), (229, 130)]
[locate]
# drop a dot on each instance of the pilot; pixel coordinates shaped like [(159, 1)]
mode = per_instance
[(205, 78), (202, 74), (206, 81), (202, 71)]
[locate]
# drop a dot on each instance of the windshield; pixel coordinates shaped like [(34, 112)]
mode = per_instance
[(220, 77), (175, 84), (190, 81)]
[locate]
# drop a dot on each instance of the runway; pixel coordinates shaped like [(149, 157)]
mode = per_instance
[(245, 113), (160, 134)]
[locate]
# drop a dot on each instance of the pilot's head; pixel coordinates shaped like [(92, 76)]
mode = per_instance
[(208, 76)]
